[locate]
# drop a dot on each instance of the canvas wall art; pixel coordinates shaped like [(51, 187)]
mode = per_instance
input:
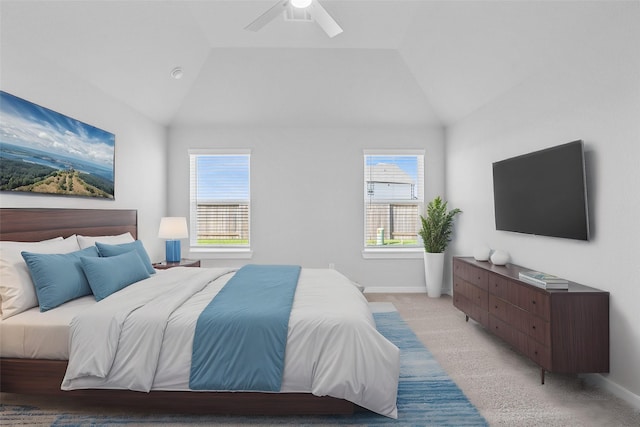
[(42, 151)]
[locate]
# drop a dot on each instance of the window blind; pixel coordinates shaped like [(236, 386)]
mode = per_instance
[(220, 199), (393, 198)]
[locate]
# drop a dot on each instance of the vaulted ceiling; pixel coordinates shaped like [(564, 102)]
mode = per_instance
[(398, 62)]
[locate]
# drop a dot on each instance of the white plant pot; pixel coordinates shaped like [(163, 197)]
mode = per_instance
[(433, 273)]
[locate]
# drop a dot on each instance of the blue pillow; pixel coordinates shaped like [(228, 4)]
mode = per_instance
[(111, 250), (110, 274), (58, 278)]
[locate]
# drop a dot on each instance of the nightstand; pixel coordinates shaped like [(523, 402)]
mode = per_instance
[(184, 262)]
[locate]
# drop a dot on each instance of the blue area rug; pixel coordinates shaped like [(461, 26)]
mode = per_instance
[(426, 397)]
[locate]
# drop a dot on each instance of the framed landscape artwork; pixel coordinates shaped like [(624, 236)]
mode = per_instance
[(45, 152)]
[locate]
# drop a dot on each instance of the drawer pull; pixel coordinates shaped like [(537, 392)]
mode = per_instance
[(533, 302), (496, 307), (534, 326)]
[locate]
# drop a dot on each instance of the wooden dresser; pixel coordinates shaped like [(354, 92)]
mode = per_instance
[(563, 331)]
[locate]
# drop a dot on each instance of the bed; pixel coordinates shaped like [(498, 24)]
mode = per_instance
[(33, 370)]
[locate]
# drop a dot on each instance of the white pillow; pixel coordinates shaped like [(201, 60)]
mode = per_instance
[(16, 288), (47, 240), (55, 239), (87, 241)]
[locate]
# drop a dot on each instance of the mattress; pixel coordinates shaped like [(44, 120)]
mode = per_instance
[(35, 335)]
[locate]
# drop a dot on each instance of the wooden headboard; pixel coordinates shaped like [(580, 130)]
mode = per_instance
[(32, 225)]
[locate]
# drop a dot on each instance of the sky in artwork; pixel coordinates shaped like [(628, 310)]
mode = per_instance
[(31, 126)]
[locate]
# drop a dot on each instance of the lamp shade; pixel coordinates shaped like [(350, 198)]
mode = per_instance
[(173, 227)]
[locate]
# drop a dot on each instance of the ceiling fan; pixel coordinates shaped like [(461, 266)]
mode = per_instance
[(313, 7)]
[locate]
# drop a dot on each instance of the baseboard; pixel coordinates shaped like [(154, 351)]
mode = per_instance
[(395, 290), (617, 390)]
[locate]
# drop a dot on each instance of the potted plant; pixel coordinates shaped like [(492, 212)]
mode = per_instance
[(436, 235)]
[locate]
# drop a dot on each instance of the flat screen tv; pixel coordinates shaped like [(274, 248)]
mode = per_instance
[(543, 193)]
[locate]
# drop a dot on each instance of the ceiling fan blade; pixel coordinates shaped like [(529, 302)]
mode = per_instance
[(268, 16), (322, 17)]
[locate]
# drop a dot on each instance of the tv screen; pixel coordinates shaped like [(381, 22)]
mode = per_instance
[(543, 193)]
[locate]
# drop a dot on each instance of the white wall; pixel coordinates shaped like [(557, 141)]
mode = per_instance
[(306, 193), (140, 162), (592, 94)]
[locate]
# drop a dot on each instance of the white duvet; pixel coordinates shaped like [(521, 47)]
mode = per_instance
[(140, 338)]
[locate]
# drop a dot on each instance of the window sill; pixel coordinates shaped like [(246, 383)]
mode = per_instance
[(222, 253), (392, 253)]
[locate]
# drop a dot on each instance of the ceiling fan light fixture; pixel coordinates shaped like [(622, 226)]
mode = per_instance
[(312, 8), (301, 4)]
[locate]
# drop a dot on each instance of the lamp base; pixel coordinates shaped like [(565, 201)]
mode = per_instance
[(173, 250)]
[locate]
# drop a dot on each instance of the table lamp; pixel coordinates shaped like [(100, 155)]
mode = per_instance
[(173, 228)]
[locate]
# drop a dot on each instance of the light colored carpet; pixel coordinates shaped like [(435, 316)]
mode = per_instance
[(504, 386)]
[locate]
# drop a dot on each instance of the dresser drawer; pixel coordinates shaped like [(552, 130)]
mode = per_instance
[(479, 315), (540, 354), (500, 309), (460, 287), (498, 285), (474, 294), (480, 297), (478, 277), (535, 327), (460, 269), (475, 312), (534, 301), (503, 330), (461, 302)]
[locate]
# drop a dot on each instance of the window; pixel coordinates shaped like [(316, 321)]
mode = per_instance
[(219, 199), (393, 198)]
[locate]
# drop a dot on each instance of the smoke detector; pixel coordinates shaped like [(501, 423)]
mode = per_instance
[(177, 73)]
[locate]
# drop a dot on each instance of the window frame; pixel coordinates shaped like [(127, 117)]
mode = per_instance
[(372, 251), (216, 251)]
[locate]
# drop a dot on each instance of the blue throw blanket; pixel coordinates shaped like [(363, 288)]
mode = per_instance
[(241, 336)]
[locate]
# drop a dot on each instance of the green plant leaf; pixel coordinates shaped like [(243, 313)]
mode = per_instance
[(437, 226)]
